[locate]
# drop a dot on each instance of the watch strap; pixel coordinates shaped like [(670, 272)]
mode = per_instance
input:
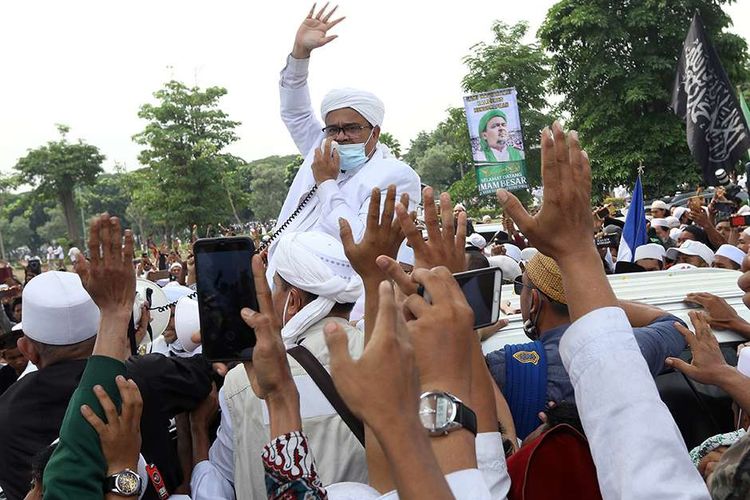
[(466, 417)]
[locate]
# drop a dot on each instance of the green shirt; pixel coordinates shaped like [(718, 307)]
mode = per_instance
[(77, 468)]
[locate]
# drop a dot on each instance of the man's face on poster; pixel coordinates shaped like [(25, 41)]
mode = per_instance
[(496, 133)]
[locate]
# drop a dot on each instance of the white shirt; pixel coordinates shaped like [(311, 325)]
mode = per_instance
[(348, 196), (637, 448)]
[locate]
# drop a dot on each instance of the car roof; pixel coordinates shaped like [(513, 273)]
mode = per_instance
[(663, 289)]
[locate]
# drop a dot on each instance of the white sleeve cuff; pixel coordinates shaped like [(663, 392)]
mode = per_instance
[(327, 190), (294, 74)]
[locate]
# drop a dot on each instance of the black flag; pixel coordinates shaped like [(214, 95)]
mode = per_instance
[(716, 130)]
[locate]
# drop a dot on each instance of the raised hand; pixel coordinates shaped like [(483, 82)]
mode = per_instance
[(562, 227), (719, 313), (326, 164), (313, 32), (383, 235), (109, 277), (445, 245), (708, 365), (120, 435), (269, 373)]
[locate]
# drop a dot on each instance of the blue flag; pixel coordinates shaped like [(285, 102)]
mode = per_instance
[(634, 234)]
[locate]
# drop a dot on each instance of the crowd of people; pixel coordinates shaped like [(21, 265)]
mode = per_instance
[(367, 378)]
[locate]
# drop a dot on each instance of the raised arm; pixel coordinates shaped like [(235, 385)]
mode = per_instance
[(296, 108), (635, 444)]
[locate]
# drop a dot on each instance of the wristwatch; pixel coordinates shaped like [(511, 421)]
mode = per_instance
[(442, 412), (125, 483)]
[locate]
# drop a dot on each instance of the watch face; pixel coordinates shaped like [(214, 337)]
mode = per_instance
[(128, 482), (436, 411)]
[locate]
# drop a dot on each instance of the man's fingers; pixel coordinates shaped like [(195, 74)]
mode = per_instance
[(105, 238), (345, 233), (681, 366), (128, 250), (128, 399), (686, 334), (389, 207), (516, 211), (322, 11), (550, 174), (373, 211), (413, 235), (328, 16), (312, 11), (91, 417), (415, 306), (116, 243), (385, 321), (439, 282), (261, 323), (338, 349), (446, 214), (110, 412), (262, 292), (94, 241), (331, 25), (562, 157), (430, 215), (393, 271)]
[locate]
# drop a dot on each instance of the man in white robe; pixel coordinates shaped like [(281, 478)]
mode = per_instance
[(343, 180)]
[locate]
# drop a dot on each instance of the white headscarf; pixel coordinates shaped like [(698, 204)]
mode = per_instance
[(365, 103), (315, 262)]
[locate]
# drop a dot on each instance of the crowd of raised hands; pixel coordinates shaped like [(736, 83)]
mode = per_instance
[(414, 345)]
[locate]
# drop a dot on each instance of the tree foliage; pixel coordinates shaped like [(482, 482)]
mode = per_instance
[(267, 190), (185, 139), (392, 143), (615, 63), (56, 169)]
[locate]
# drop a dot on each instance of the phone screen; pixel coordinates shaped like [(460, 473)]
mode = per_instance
[(739, 220), (225, 285), (482, 291)]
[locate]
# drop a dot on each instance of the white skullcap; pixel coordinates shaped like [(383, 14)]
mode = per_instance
[(175, 264), (695, 248), (315, 262), (459, 206), (512, 251), (186, 322), (649, 251), (674, 233), (174, 291), (744, 210), (73, 253), (659, 222), (363, 102), (732, 253), (672, 221), (57, 310), (659, 204), (476, 240), (527, 253), (679, 212), (510, 268), (486, 219)]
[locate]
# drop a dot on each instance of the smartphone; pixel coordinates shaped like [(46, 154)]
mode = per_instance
[(225, 285), (603, 213), (739, 220), (608, 241), (481, 287)]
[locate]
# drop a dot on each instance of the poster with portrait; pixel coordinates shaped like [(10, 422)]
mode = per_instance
[(496, 140)]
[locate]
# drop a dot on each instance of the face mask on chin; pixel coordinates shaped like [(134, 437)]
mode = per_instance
[(352, 156)]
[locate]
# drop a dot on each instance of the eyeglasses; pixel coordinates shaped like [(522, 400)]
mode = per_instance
[(350, 130), (518, 285)]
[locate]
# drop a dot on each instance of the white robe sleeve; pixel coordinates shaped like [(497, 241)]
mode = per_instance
[(636, 445), (296, 110)]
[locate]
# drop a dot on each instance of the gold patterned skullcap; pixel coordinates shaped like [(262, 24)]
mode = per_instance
[(543, 272)]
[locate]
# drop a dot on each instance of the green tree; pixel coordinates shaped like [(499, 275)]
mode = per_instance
[(291, 169), (109, 193), (267, 190), (392, 143), (56, 169), (185, 139), (437, 167), (16, 233), (55, 227), (615, 63)]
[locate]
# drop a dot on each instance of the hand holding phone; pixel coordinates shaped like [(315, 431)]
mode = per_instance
[(225, 286), (481, 288)]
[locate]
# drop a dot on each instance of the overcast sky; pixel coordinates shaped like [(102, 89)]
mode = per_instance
[(91, 64)]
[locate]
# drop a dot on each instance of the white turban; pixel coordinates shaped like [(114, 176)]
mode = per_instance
[(315, 262), (365, 103)]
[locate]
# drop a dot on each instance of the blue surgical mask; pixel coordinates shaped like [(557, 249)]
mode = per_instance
[(352, 155)]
